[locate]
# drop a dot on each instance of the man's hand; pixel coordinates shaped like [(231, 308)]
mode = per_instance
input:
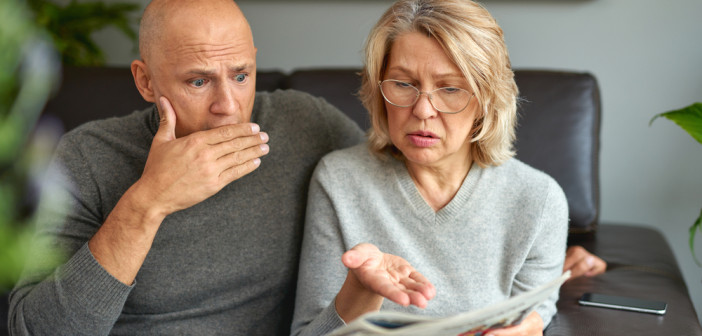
[(180, 173), (581, 262), (532, 325), (374, 275)]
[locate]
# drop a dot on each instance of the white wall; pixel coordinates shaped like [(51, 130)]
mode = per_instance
[(646, 55)]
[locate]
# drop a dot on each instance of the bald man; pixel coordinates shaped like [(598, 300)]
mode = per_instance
[(185, 218)]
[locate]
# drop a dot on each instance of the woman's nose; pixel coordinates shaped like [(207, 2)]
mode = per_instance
[(423, 109)]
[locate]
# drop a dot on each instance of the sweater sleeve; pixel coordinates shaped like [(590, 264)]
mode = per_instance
[(78, 297), (545, 258), (321, 273)]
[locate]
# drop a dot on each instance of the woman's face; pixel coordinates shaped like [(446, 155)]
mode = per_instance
[(425, 136)]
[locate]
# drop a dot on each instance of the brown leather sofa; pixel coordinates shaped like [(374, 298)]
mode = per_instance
[(558, 132)]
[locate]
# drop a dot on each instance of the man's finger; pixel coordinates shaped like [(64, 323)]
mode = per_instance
[(237, 158), (236, 172), (166, 127), (256, 143), (229, 132)]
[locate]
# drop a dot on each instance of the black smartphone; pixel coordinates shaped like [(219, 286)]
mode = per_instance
[(623, 303)]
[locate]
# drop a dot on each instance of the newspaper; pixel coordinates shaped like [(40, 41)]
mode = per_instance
[(473, 323)]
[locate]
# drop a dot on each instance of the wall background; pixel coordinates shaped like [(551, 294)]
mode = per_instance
[(646, 55)]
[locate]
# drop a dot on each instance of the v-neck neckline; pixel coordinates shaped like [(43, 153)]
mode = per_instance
[(420, 205)]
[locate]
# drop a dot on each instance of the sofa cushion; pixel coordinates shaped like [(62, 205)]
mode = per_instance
[(338, 86), (558, 133)]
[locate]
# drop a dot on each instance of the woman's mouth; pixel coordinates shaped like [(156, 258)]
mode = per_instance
[(423, 138)]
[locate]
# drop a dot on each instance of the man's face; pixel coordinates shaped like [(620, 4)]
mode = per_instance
[(206, 67)]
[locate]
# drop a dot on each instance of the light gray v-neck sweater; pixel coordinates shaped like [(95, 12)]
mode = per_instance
[(502, 234)]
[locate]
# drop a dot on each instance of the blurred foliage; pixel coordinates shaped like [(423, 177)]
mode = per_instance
[(71, 27), (28, 73), (689, 119)]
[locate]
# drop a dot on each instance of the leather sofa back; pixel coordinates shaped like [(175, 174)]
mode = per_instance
[(558, 127), (559, 133)]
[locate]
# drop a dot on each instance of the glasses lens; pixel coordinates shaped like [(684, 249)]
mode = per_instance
[(446, 99), (399, 93), (450, 100)]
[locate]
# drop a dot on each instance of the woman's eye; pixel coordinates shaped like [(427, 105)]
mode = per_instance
[(450, 89), (403, 85), (198, 82), (240, 77)]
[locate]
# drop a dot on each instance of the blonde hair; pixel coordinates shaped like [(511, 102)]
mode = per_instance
[(472, 39)]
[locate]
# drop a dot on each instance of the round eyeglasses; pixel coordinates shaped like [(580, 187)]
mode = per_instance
[(445, 100)]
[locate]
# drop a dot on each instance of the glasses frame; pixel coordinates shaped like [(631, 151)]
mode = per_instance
[(419, 93)]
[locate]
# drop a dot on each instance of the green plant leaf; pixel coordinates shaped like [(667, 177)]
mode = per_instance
[(693, 229), (689, 118), (71, 26)]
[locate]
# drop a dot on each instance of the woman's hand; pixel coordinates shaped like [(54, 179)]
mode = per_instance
[(581, 262), (374, 275), (532, 325)]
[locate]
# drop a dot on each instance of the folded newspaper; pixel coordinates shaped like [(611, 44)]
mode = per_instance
[(473, 323)]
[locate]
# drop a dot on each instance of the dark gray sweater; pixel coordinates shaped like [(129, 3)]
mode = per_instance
[(224, 266)]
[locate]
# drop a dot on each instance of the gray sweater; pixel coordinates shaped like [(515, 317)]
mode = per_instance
[(502, 234), (224, 266)]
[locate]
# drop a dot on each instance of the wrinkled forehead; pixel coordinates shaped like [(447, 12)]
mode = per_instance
[(190, 26), (208, 23), (205, 38)]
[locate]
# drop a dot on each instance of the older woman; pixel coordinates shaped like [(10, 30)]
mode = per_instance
[(436, 184)]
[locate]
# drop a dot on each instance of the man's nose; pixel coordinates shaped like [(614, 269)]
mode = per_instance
[(224, 101), (423, 109)]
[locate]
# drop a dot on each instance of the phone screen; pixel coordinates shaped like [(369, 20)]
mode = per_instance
[(624, 303)]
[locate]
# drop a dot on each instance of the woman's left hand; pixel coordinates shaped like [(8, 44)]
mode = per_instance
[(532, 325), (581, 262)]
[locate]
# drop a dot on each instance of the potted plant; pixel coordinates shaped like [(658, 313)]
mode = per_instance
[(72, 25), (28, 73), (690, 119)]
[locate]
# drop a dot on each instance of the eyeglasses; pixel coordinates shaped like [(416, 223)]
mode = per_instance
[(445, 100)]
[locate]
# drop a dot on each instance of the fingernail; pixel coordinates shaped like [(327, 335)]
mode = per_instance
[(264, 136), (257, 161), (264, 148), (590, 261), (255, 128)]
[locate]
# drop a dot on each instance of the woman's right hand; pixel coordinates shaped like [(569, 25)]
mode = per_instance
[(374, 275)]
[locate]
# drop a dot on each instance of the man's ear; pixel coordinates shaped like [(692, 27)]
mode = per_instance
[(143, 81)]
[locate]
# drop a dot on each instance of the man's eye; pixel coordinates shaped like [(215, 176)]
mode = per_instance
[(240, 77), (198, 82)]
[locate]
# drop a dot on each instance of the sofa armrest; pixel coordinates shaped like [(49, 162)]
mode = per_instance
[(641, 265)]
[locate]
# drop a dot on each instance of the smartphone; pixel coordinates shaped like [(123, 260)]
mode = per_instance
[(623, 303)]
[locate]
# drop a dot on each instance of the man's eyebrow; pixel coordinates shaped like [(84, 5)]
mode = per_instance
[(207, 72), (200, 72), (241, 68)]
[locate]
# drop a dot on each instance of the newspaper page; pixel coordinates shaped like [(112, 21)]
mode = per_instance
[(473, 323)]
